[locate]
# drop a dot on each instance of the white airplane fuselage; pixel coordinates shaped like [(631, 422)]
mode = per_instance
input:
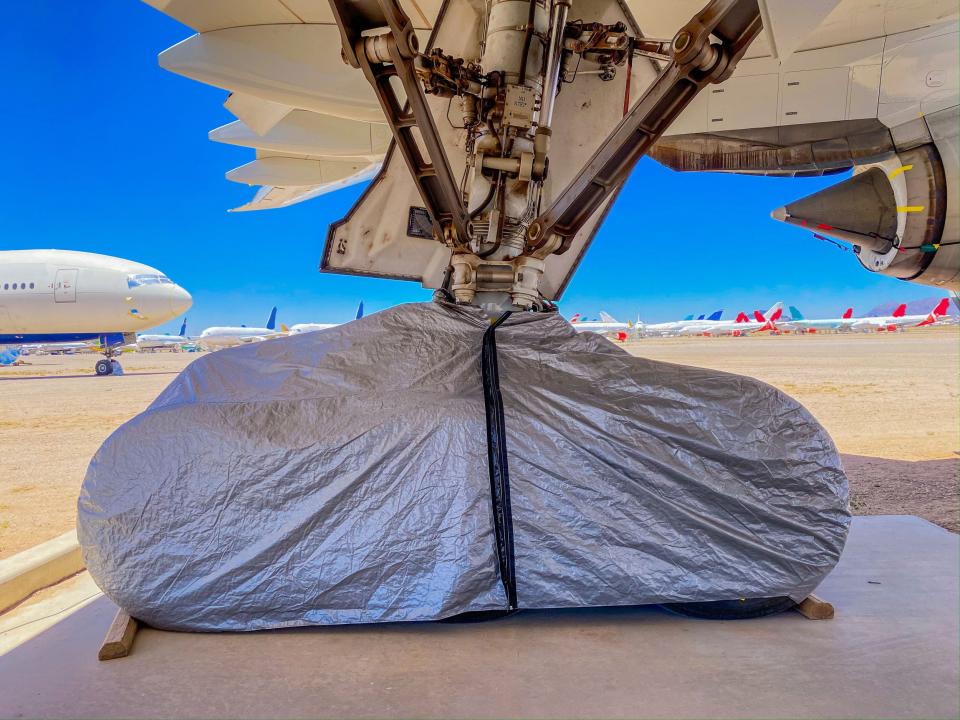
[(50, 296), (301, 328), (214, 338)]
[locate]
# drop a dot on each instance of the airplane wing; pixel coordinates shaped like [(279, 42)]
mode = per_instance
[(827, 86), (315, 127)]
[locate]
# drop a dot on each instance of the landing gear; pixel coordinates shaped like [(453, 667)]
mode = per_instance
[(104, 367)]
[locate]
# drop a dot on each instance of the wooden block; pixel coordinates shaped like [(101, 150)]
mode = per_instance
[(119, 640), (814, 608)]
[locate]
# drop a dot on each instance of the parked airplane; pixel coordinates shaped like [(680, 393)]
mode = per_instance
[(52, 296), (154, 342), (674, 327), (742, 325), (798, 323), (313, 327), (899, 319), (214, 338), (606, 325)]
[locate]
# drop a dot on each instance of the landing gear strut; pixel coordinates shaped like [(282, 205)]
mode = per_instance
[(108, 365)]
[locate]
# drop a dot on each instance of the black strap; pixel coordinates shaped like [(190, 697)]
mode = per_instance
[(497, 456)]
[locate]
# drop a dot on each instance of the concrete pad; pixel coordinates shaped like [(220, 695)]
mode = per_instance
[(890, 652), (40, 566)]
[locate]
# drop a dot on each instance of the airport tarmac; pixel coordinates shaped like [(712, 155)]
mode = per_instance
[(890, 652), (889, 401)]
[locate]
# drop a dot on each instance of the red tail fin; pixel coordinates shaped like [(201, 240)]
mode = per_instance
[(742, 317), (776, 315), (901, 310), (759, 316), (575, 318), (848, 313), (941, 308)]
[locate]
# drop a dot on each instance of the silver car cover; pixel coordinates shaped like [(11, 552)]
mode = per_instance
[(342, 476)]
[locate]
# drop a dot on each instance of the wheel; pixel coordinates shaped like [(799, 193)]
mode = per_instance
[(742, 609), (104, 367)]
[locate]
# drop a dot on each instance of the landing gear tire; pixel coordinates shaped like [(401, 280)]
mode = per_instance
[(104, 367), (732, 609)]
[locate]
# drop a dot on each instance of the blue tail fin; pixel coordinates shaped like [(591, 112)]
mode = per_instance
[(795, 314), (183, 328), (700, 318), (689, 317), (360, 310), (716, 316), (272, 322)]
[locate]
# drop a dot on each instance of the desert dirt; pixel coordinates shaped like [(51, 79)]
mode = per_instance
[(891, 403)]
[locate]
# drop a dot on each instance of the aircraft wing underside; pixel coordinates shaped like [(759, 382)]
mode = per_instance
[(828, 85)]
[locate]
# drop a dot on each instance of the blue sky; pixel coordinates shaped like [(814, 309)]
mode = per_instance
[(106, 152)]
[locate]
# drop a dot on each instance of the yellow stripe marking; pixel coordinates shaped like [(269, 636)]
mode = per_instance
[(901, 169), (909, 208)]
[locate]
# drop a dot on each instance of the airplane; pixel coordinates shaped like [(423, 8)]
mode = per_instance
[(798, 323), (607, 325), (214, 338), (742, 325), (899, 319), (65, 296), (154, 342), (674, 327), (300, 328), (778, 93)]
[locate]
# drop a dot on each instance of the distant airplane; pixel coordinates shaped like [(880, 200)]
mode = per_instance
[(153, 342), (798, 323), (300, 328), (64, 296), (606, 325), (214, 338), (899, 319), (742, 325), (674, 327)]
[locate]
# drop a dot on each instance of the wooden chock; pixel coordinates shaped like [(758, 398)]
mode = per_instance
[(814, 608), (119, 640)]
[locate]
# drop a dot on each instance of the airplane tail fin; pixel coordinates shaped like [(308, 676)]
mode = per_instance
[(700, 317), (901, 310), (607, 317), (795, 314), (284, 328), (360, 310), (272, 322), (688, 317), (575, 318), (183, 328), (716, 315), (848, 313), (939, 311), (775, 310), (742, 317)]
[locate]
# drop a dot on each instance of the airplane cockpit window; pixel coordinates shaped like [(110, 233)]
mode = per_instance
[(6, 286), (23, 286), (31, 286), (145, 279)]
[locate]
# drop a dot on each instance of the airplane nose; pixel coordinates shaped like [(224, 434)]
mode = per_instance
[(180, 300)]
